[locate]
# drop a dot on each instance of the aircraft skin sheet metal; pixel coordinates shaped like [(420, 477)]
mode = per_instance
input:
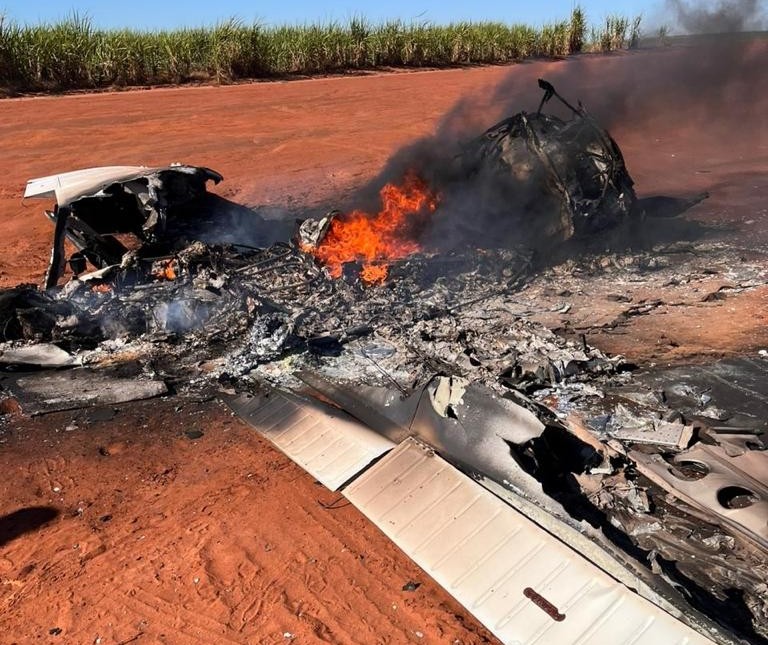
[(523, 584), (327, 443), (71, 183)]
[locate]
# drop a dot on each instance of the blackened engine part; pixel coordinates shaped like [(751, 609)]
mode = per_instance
[(574, 169)]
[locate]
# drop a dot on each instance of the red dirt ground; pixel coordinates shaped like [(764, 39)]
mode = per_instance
[(165, 539)]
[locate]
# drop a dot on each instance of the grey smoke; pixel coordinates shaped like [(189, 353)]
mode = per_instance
[(714, 84), (724, 16)]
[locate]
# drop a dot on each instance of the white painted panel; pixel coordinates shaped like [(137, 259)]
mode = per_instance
[(328, 444), (70, 183), (486, 554)]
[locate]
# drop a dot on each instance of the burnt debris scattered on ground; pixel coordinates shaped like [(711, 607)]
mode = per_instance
[(665, 466)]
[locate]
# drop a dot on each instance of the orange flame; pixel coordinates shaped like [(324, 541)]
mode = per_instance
[(166, 270), (102, 287), (376, 240)]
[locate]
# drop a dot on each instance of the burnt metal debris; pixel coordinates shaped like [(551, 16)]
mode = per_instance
[(94, 206), (663, 469), (574, 173)]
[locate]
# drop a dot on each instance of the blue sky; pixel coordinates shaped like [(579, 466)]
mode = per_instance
[(169, 14)]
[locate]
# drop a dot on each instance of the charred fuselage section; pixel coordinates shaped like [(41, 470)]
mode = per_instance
[(107, 212)]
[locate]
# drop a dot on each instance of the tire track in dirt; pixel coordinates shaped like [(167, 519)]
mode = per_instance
[(164, 616), (179, 542)]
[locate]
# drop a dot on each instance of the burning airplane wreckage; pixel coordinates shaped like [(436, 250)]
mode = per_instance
[(558, 493)]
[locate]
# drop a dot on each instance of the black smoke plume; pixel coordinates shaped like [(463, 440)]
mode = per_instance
[(714, 85)]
